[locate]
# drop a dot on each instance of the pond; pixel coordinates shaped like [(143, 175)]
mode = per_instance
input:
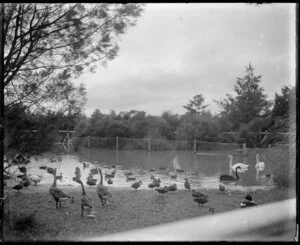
[(202, 169)]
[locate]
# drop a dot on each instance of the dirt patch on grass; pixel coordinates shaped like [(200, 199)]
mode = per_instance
[(129, 209)]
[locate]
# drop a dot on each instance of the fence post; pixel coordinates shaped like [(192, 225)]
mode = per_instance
[(195, 146), (117, 143), (89, 143), (149, 144), (244, 149)]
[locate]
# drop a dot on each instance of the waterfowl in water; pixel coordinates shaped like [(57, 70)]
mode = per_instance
[(19, 186), (197, 194), (129, 178), (152, 185), (102, 190), (179, 170), (128, 173), (187, 185), (230, 177), (136, 185), (242, 165), (43, 167), (152, 170), (201, 200), (260, 166), (162, 190), (247, 202)]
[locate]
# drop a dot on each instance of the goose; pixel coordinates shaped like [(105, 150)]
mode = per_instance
[(102, 190), (162, 190), (242, 165), (187, 185), (128, 173), (19, 186), (136, 185), (172, 188), (230, 177), (111, 175), (197, 194), (90, 181), (247, 202), (201, 200), (259, 165), (130, 178), (35, 178), (86, 201), (23, 169), (56, 192)]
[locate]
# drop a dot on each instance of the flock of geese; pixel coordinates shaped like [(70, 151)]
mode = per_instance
[(104, 195)]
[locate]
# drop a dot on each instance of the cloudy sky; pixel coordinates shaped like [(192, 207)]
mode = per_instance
[(179, 50)]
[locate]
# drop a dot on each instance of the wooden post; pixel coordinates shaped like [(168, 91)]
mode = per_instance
[(117, 143), (149, 144), (68, 141), (195, 147), (244, 149)]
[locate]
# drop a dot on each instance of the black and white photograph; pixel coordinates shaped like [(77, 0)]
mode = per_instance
[(148, 122)]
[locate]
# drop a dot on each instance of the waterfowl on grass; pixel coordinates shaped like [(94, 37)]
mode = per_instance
[(187, 185), (19, 186), (197, 194), (35, 178), (247, 202), (26, 182), (56, 192), (23, 169), (110, 175), (109, 181), (86, 201), (230, 177), (172, 188), (162, 190), (201, 200), (152, 185), (102, 190), (221, 188), (91, 182), (136, 185)]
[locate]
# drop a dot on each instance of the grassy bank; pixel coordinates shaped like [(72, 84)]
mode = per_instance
[(129, 209)]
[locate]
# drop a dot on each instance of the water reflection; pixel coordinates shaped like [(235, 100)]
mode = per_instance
[(202, 171)]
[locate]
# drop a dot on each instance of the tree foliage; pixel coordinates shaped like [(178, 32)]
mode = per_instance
[(250, 101), (196, 105), (47, 45)]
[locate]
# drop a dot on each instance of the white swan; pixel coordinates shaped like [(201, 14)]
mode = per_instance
[(260, 166), (242, 165)]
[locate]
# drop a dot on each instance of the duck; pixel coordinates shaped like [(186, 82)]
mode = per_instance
[(111, 175), (86, 201), (173, 175), (23, 169), (179, 170), (152, 170), (91, 182), (43, 167), (172, 188), (26, 182), (50, 170), (187, 185), (247, 202), (230, 177), (260, 166), (197, 194), (128, 178), (35, 178), (152, 185), (137, 185), (109, 181), (162, 190), (56, 192), (242, 165), (102, 190), (128, 173), (201, 200), (221, 188), (19, 186)]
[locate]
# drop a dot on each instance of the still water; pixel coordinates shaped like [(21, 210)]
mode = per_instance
[(202, 170)]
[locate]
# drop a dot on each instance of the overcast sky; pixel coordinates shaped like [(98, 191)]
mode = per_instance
[(179, 50)]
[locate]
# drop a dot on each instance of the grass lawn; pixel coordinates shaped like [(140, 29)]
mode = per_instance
[(129, 209)]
